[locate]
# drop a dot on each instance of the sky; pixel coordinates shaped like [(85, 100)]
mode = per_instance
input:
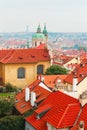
[(59, 15)]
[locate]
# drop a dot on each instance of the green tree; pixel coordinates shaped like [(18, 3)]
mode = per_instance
[(55, 69), (12, 123), (10, 88), (6, 108)]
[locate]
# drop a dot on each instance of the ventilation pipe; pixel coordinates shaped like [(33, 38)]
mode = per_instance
[(39, 77), (42, 78), (27, 94), (75, 82), (83, 98), (33, 98), (81, 125)]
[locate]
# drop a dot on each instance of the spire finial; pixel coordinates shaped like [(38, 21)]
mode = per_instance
[(45, 30), (39, 28)]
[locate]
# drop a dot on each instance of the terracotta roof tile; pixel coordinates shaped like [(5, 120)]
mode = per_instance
[(80, 72), (59, 115), (41, 94), (42, 46), (50, 80), (82, 117), (24, 55)]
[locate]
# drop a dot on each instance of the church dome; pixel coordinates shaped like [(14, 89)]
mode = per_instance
[(38, 36)]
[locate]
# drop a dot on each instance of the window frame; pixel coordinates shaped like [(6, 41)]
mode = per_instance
[(21, 73)]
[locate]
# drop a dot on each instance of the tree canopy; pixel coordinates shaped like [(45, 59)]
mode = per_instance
[(12, 123), (5, 108), (55, 69)]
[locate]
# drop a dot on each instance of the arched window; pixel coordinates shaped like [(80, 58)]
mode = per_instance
[(35, 43), (40, 69), (21, 73)]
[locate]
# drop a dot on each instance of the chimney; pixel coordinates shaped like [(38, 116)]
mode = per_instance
[(42, 78), (27, 94), (81, 125), (75, 81), (39, 77), (83, 98), (33, 98)]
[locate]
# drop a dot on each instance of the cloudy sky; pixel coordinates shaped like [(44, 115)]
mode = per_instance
[(59, 15)]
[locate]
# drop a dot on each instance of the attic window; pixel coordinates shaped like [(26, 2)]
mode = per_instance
[(32, 56), (39, 101), (22, 106), (74, 72), (16, 101), (44, 55), (38, 95), (42, 111), (82, 75), (82, 64), (81, 124), (20, 58)]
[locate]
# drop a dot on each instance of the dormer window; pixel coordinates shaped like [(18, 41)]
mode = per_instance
[(38, 116), (42, 111)]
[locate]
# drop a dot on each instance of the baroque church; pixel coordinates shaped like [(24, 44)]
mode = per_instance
[(40, 37)]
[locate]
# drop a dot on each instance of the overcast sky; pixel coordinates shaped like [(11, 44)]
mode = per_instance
[(59, 15)]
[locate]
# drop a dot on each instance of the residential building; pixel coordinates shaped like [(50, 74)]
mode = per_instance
[(81, 121), (57, 111), (76, 81), (66, 61), (30, 97), (20, 67)]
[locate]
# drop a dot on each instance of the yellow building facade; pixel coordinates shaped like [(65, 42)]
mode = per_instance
[(21, 74)]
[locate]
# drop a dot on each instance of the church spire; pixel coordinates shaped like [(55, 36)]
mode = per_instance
[(45, 30), (39, 29)]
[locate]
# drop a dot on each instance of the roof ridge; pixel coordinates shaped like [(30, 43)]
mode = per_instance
[(68, 106), (11, 52)]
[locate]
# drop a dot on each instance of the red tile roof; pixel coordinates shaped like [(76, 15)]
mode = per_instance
[(41, 46), (41, 109), (60, 113), (50, 80), (80, 72), (41, 94), (82, 117), (24, 55), (61, 59)]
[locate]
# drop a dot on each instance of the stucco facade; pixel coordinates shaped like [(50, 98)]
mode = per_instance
[(29, 127), (82, 86), (73, 61), (50, 127), (8, 73)]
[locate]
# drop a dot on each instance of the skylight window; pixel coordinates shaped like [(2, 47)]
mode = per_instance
[(22, 106)]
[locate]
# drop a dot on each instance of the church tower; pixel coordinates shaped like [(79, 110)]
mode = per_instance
[(45, 33), (39, 37), (39, 29)]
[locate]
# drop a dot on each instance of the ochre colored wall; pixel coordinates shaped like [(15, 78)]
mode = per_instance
[(68, 87), (82, 86), (73, 61), (30, 73), (2, 71)]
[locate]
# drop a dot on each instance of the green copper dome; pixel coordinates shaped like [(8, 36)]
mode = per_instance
[(38, 35)]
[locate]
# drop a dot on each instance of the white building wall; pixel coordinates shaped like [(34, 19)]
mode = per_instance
[(50, 127), (28, 126), (82, 86), (41, 84)]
